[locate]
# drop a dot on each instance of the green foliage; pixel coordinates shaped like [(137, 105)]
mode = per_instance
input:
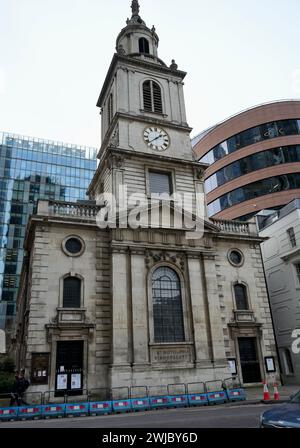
[(7, 365), (6, 382), (7, 368)]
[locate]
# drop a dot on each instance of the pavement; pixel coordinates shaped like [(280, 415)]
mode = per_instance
[(255, 394)]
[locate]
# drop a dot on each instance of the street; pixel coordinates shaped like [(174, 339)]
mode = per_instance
[(243, 416)]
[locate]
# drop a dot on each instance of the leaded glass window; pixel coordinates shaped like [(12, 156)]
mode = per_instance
[(72, 292), (167, 306), (241, 299)]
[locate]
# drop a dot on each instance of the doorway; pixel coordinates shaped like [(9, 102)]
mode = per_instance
[(69, 368), (249, 360)]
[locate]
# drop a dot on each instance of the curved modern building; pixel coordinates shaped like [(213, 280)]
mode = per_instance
[(254, 160)]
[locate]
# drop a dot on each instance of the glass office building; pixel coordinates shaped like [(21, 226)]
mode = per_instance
[(254, 160), (32, 169)]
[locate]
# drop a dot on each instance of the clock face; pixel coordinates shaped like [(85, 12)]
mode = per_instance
[(156, 139)]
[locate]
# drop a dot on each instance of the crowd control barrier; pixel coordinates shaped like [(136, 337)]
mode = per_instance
[(29, 412), (177, 395), (234, 389), (139, 398), (8, 412), (120, 399), (215, 392), (100, 401), (77, 406), (77, 409), (30, 406), (53, 410), (196, 394), (158, 396), (51, 397)]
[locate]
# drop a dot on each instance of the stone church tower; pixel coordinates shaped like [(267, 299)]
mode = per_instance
[(140, 305)]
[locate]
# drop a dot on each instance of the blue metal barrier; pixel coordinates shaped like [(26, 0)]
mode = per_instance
[(100, 401), (158, 397), (139, 398), (77, 409), (177, 395), (53, 410), (100, 408), (215, 392), (8, 414), (196, 394), (159, 402), (140, 404), (31, 406), (29, 412), (120, 399), (234, 389), (122, 405)]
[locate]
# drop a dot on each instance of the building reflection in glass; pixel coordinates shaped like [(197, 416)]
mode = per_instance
[(251, 136), (32, 169)]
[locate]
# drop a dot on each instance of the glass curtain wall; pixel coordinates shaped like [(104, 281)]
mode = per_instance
[(32, 169)]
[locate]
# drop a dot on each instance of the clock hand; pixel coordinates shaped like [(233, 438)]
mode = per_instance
[(155, 138)]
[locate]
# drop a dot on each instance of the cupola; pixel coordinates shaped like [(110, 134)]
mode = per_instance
[(136, 39)]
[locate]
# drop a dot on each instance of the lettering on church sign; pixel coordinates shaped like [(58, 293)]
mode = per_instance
[(171, 356)]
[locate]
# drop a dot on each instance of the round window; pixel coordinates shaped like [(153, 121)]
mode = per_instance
[(73, 246), (236, 257)]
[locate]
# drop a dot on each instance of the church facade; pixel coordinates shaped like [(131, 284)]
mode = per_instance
[(140, 305)]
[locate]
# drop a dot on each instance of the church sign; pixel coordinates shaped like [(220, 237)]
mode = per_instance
[(171, 355)]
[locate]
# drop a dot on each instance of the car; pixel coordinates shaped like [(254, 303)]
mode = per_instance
[(285, 416)]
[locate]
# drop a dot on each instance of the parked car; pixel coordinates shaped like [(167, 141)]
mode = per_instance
[(285, 416)]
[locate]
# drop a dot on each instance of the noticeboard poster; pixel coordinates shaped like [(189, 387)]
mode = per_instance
[(232, 366), (40, 363), (62, 380), (270, 364), (76, 381)]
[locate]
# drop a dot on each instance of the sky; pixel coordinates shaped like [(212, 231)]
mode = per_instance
[(55, 55)]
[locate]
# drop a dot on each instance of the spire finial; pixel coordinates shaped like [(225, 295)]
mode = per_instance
[(135, 8)]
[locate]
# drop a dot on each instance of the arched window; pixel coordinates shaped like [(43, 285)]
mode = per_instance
[(72, 292), (167, 306), (241, 297), (143, 45), (152, 97)]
